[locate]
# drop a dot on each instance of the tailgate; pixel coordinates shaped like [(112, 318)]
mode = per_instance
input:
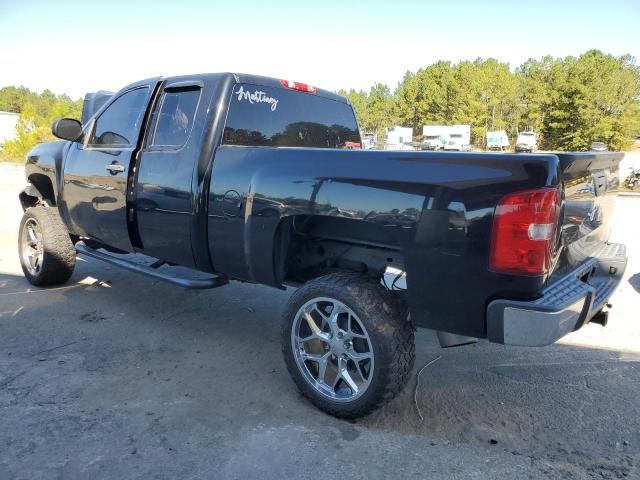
[(591, 183), (586, 268)]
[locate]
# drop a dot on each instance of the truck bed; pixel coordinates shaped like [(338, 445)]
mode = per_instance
[(434, 209)]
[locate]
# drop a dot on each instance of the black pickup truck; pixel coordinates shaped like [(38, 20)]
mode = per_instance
[(218, 177)]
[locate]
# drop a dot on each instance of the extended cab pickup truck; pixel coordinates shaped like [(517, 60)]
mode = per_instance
[(240, 177)]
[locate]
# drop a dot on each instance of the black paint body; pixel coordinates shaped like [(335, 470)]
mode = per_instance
[(237, 210)]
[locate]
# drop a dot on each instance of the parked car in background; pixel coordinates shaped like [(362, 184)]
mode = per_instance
[(633, 179), (369, 141), (457, 143), (598, 147), (435, 137), (497, 140), (433, 142), (527, 142)]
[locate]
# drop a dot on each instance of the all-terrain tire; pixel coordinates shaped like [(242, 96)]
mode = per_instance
[(385, 319), (57, 251)]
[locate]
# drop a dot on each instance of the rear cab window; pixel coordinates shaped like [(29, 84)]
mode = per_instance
[(262, 116)]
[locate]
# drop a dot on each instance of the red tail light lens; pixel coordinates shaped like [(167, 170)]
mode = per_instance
[(524, 231), (301, 87)]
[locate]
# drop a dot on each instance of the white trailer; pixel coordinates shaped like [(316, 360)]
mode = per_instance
[(497, 140), (8, 123), (399, 138), (459, 138)]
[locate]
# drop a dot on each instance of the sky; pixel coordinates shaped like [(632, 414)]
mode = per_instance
[(76, 47)]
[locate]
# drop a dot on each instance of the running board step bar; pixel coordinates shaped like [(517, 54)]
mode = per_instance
[(152, 270)]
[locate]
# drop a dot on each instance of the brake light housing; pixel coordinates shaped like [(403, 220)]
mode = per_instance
[(524, 232), (301, 87)]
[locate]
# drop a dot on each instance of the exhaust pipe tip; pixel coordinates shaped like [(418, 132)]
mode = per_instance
[(601, 318), (448, 340)]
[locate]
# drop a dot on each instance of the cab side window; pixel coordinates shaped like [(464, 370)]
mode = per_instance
[(175, 118), (119, 124)]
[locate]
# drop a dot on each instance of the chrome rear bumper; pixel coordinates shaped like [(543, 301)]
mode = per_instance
[(565, 306)]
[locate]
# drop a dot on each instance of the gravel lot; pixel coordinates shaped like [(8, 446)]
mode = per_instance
[(118, 376)]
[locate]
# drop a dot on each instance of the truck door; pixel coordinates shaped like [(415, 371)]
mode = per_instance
[(94, 192), (164, 197)]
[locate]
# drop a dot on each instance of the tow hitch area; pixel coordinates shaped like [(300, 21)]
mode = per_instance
[(578, 298), (602, 317)]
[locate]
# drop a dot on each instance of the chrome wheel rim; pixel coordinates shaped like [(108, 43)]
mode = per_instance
[(332, 349), (32, 248)]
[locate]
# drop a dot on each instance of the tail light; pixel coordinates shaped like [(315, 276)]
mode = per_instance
[(524, 231), (301, 87)]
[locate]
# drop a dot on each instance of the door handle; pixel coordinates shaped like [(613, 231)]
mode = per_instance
[(115, 168)]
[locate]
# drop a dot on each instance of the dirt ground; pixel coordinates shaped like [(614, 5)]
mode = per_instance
[(118, 376)]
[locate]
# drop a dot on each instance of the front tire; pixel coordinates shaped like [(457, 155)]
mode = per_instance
[(47, 255), (347, 343)]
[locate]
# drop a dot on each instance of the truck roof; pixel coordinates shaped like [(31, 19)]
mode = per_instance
[(245, 78), (275, 82)]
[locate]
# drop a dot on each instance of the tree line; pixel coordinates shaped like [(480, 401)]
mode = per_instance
[(569, 101), (37, 112)]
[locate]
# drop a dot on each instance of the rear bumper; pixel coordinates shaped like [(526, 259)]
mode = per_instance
[(565, 306)]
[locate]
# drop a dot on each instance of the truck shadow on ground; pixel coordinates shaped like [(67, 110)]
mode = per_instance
[(155, 361), (634, 280)]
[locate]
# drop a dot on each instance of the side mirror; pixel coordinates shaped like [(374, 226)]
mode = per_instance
[(67, 129)]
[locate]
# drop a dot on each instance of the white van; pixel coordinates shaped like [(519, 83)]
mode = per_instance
[(497, 140), (435, 137), (527, 142)]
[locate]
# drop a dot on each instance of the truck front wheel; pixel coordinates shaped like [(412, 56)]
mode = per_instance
[(347, 343), (47, 255)]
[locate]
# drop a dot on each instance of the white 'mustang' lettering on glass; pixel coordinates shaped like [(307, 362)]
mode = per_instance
[(257, 97)]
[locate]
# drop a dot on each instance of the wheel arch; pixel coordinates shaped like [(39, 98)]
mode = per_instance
[(308, 246), (39, 190)]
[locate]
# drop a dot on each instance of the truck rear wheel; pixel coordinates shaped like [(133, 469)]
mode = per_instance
[(347, 343), (47, 255)]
